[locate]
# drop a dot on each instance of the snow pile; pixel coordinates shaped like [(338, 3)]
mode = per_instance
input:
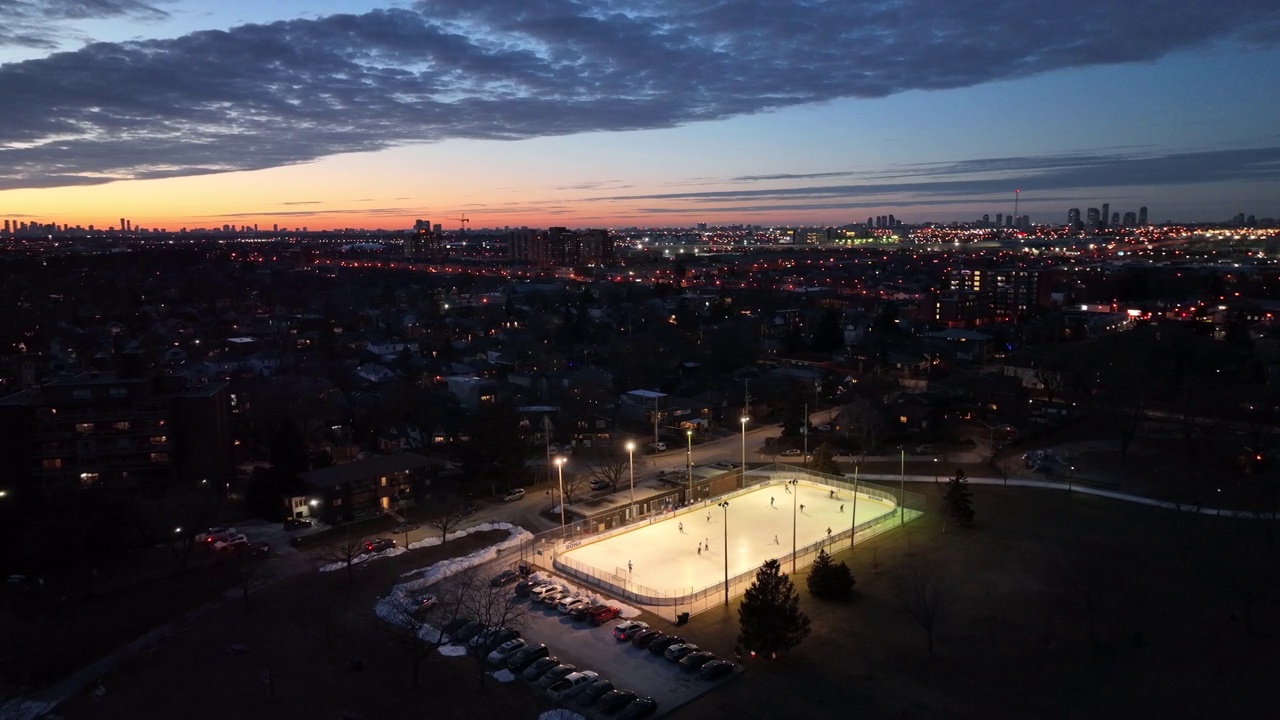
[(452, 650), (560, 714), (503, 676), (392, 607), (363, 558), (482, 527)]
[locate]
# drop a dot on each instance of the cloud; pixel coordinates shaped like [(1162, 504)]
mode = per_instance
[(998, 177), (41, 24), (260, 96)]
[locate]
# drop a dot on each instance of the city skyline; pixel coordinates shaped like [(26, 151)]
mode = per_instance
[(650, 114)]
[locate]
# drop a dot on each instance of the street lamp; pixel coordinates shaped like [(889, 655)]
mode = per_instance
[(631, 461), (743, 477), (795, 490), (560, 472), (689, 462), (804, 430), (935, 471), (725, 506)]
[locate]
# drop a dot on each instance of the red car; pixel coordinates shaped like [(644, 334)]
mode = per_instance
[(601, 614)]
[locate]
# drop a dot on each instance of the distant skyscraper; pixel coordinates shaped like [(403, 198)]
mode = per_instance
[(999, 219), (986, 219), (1142, 215), (1106, 212), (870, 221), (1073, 218), (1130, 219), (893, 222), (1094, 219), (1115, 219)]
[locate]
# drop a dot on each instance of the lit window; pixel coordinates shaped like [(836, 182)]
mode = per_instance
[(159, 439), (89, 478), (159, 457), (122, 425), (51, 463), (84, 427)]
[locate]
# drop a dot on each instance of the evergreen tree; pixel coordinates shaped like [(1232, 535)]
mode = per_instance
[(824, 460), (828, 580), (959, 499), (769, 616), (828, 336)]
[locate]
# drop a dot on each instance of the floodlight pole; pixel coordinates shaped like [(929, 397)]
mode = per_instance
[(725, 506), (631, 461), (560, 472), (795, 490), (742, 478)]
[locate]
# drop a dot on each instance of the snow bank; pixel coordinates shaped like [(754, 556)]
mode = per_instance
[(390, 608), (357, 560), (452, 650), (503, 676)]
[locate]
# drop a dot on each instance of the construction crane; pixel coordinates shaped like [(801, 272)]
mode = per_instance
[(462, 223)]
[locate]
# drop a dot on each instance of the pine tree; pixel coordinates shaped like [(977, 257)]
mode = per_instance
[(769, 617), (828, 580), (959, 500), (824, 460)]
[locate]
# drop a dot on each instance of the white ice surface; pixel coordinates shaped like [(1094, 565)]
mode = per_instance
[(666, 559)]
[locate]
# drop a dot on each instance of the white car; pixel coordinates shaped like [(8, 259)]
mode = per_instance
[(570, 604), (572, 684), (628, 629), (536, 594), (554, 597), (232, 542), (504, 651)]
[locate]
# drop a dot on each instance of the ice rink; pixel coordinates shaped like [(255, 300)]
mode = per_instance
[(664, 555)]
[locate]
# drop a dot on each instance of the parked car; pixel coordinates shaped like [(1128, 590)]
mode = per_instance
[(556, 674), (615, 700), (715, 669), (628, 629), (572, 684), (422, 602), (506, 577), (695, 660), (599, 484), (231, 544), (924, 450), (468, 631), (539, 667), (554, 597), (502, 653), (456, 624), (638, 708), (601, 614), (216, 534), (642, 639), (377, 545), (677, 652), (659, 645), (593, 692), (524, 587), (526, 655), (468, 509), (296, 523), (569, 604), (513, 494), (537, 593), (791, 452), (405, 527), (493, 639), (580, 613), (658, 446)]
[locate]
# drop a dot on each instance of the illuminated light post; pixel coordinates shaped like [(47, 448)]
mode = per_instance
[(631, 461), (743, 477), (725, 506), (689, 462), (560, 472)]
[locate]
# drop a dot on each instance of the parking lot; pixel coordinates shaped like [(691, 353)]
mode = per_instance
[(630, 668)]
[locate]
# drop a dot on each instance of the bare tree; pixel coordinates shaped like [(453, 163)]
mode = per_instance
[(865, 423), (445, 514), (573, 482), (925, 594), (344, 551), (250, 574), (1124, 399), (611, 470)]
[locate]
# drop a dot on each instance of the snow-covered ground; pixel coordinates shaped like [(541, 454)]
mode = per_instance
[(665, 555)]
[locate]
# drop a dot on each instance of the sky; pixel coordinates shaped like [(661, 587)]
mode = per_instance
[(613, 113)]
